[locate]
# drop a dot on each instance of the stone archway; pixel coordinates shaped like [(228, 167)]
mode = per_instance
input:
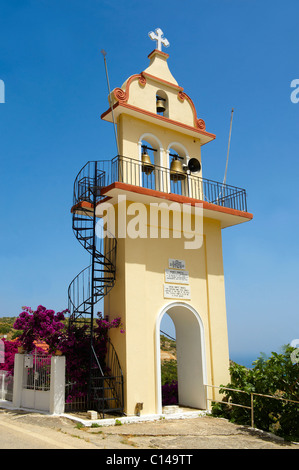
[(191, 357)]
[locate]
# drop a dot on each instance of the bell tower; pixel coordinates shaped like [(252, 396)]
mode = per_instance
[(166, 220)]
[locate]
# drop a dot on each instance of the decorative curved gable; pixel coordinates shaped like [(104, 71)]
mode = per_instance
[(137, 96), (122, 96)]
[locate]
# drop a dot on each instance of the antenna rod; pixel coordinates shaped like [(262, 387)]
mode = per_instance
[(110, 101), (230, 132)]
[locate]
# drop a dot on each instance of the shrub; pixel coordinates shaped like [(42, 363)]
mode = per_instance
[(276, 376), (40, 325), (168, 371), (4, 329), (10, 349)]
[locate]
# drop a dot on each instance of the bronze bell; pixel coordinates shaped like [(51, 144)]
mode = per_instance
[(160, 105), (147, 166), (176, 170)]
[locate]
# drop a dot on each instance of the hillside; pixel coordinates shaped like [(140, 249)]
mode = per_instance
[(168, 348), (6, 327)]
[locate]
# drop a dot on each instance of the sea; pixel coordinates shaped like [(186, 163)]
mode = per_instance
[(244, 360)]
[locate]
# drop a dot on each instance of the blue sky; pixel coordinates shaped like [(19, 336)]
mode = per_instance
[(225, 53)]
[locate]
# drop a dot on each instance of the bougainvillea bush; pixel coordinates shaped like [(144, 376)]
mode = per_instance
[(40, 325), (45, 326), (170, 393), (10, 349)]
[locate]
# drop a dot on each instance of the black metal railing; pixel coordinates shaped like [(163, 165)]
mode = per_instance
[(94, 173), (134, 172), (107, 390)]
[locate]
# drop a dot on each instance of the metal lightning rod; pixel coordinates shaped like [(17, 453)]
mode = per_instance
[(110, 101)]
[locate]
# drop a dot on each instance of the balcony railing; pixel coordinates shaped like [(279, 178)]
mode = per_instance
[(131, 171)]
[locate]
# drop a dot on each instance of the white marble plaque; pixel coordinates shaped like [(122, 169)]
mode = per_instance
[(175, 291), (177, 275), (176, 264)]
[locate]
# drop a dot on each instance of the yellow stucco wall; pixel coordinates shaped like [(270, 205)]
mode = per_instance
[(132, 130), (138, 297)]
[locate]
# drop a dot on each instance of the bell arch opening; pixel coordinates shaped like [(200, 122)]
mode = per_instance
[(150, 157), (150, 141), (191, 357), (162, 103)]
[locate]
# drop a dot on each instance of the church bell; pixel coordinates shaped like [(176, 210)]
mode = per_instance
[(147, 166), (160, 104), (176, 169)]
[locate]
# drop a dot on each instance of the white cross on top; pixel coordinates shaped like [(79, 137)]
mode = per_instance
[(158, 37)]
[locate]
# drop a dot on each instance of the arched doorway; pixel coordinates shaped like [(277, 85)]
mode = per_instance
[(191, 358)]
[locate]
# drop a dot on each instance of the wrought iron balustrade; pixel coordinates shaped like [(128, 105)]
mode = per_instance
[(158, 178)]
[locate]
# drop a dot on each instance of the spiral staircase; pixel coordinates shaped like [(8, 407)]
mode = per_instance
[(91, 285)]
